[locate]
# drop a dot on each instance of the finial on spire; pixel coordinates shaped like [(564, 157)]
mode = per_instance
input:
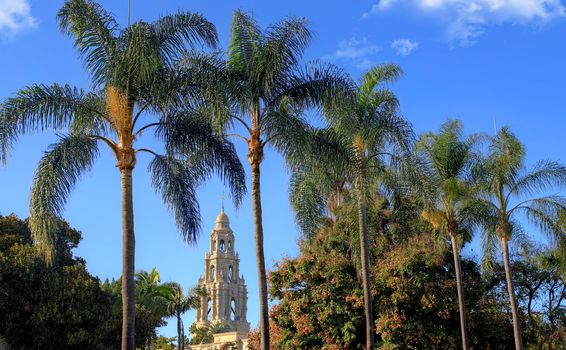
[(222, 197)]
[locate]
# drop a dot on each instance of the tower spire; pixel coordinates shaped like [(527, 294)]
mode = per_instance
[(222, 197)]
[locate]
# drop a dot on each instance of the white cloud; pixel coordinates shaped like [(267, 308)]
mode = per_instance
[(404, 47), (15, 15), (466, 20), (357, 52)]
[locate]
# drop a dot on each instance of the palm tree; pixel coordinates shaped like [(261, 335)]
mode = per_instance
[(177, 304), (511, 191), (270, 92), (150, 293), (133, 72), (364, 138), (444, 182), (205, 334)]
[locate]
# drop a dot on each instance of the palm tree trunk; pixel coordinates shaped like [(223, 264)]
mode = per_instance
[(182, 335), (179, 335), (512, 299), (368, 307), (255, 156), (258, 234), (459, 286), (128, 262)]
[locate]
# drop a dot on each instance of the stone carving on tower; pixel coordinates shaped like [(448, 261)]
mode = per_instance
[(226, 293)]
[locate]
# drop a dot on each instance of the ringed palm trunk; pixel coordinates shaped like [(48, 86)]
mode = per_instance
[(255, 156), (128, 261), (459, 286), (512, 299), (364, 251)]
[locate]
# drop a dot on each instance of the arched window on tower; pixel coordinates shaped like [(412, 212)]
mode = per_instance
[(229, 246), (230, 273), (209, 309), (233, 310), (212, 270), (222, 245)]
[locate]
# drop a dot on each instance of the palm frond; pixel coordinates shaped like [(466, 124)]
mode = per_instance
[(309, 194), (93, 29), (389, 132), (545, 174), (175, 32), (55, 177), (177, 185), (314, 85), (377, 76), (245, 43), (191, 135), (284, 128), (285, 43), (140, 60), (544, 213), (43, 107)]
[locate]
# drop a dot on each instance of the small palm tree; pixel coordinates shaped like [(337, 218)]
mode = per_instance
[(150, 293), (443, 179), (270, 92), (510, 192), (133, 72), (177, 303), (365, 137)]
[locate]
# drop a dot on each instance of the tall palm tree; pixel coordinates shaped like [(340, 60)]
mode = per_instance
[(365, 136), (444, 182), (510, 192), (177, 303), (133, 72), (270, 92)]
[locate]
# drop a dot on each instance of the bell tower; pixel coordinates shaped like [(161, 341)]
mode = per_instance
[(227, 295)]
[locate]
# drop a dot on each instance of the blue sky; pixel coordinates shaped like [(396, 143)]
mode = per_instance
[(486, 62)]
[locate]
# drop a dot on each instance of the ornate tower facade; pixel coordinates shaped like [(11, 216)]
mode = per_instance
[(227, 295)]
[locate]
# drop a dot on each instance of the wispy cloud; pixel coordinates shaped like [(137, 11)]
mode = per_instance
[(467, 20), (404, 47), (15, 15), (357, 52)]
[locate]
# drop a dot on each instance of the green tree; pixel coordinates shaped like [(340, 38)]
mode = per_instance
[(60, 306), (270, 92), (415, 305), (541, 291), (177, 303), (150, 294), (511, 191), (205, 334), (133, 71), (150, 309), (443, 179), (164, 343), (365, 139)]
